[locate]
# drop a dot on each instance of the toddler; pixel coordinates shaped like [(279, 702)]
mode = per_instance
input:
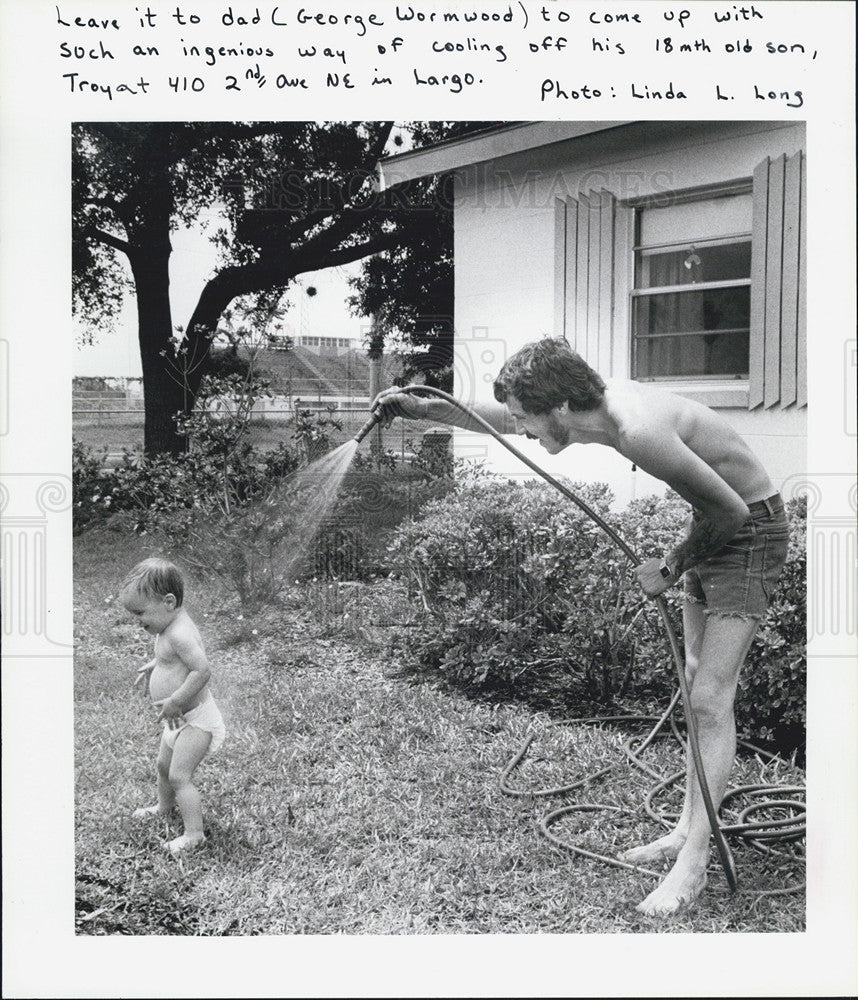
[(178, 685)]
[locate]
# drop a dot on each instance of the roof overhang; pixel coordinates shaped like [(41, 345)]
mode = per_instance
[(480, 147)]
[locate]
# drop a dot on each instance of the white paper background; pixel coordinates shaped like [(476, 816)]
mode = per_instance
[(41, 955)]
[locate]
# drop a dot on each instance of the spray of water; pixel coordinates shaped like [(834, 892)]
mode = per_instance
[(307, 498)]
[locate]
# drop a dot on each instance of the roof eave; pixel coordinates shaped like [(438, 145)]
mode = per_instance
[(456, 154)]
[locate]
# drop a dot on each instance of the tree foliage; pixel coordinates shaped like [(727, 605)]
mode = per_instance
[(409, 289), (296, 197)]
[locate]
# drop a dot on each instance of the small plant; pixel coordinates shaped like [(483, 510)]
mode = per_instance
[(243, 521), (312, 431), (434, 455)]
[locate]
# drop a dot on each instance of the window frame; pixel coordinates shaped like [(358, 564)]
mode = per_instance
[(713, 390), (635, 293)]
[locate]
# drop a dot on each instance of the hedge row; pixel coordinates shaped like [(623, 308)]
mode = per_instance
[(517, 592)]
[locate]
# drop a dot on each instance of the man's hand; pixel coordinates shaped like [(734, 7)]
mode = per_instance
[(169, 713), (652, 580), (143, 674), (395, 403)]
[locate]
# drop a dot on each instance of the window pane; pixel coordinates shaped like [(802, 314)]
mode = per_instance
[(690, 266), (692, 333), (697, 220), (691, 311), (722, 354)]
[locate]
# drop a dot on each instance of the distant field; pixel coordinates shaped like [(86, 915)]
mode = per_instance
[(125, 431)]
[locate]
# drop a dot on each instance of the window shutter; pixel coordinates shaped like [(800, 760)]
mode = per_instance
[(585, 229), (778, 359)]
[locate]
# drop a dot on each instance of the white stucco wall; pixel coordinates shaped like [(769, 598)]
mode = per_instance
[(504, 271)]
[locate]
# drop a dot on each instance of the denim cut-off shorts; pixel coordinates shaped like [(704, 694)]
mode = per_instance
[(740, 578)]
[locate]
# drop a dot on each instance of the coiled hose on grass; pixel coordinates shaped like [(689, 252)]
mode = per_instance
[(765, 834)]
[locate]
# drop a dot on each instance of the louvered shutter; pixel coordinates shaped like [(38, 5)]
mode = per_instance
[(586, 231), (778, 339)]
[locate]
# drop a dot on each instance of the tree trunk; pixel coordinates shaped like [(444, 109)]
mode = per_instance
[(148, 228), (164, 393), (215, 297)]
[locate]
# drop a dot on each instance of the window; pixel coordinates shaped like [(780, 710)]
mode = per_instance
[(710, 287), (691, 301)]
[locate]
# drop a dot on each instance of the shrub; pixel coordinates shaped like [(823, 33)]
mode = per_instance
[(520, 594), (311, 431), (252, 547), (91, 500), (520, 590), (353, 544), (223, 507), (771, 703)]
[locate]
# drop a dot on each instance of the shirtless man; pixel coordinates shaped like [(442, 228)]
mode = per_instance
[(730, 558)]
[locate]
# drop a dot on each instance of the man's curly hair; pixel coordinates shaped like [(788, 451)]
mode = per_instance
[(546, 374)]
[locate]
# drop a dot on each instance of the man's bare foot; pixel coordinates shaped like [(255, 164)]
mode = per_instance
[(680, 887), (185, 843), (666, 848), (155, 810)]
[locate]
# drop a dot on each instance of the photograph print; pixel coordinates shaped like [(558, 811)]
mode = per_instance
[(366, 642)]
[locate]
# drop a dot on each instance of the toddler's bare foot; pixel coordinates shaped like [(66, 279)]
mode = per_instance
[(666, 848), (682, 885), (185, 843), (155, 810)]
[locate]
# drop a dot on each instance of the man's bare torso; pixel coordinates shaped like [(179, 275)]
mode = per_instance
[(633, 405)]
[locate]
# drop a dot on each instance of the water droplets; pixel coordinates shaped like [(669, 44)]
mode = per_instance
[(312, 492)]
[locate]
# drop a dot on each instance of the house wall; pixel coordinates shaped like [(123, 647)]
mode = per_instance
[(505, 271)]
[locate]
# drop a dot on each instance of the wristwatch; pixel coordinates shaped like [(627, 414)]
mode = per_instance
[(665, 569)]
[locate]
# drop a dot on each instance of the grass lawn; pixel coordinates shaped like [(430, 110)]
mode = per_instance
[(347, 800)]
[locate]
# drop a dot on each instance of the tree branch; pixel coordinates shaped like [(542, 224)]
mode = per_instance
[(348, 255), (281, 268), (374, 154), (246, 279), (110, 203), (341, 227), (108, 240), (363, 173)]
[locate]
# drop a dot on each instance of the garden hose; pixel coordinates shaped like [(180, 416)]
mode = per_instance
[(765, 834), (724, 854)]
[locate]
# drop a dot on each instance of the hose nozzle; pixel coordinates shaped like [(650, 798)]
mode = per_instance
[(374, 419)]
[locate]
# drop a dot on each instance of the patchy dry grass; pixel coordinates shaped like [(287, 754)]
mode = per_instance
[(348, 801)]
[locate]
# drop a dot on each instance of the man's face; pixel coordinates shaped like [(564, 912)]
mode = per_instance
[(154, 613), (547, 428)]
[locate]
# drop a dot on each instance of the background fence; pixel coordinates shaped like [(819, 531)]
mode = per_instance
[(114, 424)]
